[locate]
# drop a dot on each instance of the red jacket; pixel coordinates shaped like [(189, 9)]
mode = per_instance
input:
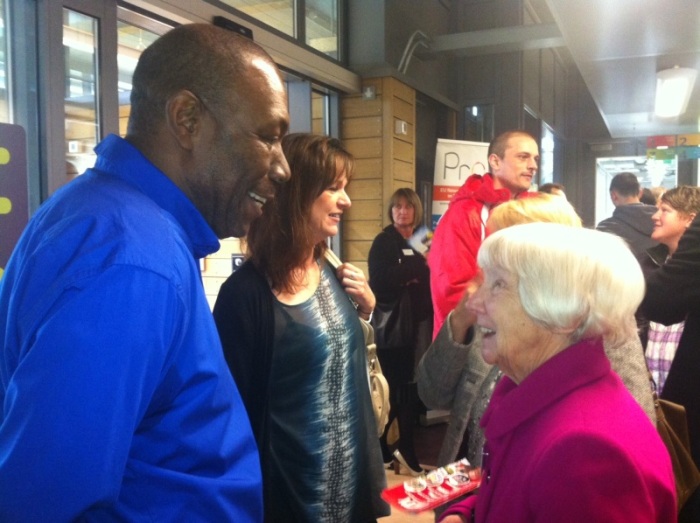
[(457, 239)]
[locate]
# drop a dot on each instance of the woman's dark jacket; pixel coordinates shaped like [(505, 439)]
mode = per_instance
[(672, 295), (393, 264)]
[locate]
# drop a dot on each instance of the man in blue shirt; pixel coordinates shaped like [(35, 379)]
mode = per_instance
[(115, 399)]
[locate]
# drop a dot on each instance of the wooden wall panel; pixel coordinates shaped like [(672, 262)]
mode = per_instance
[(354, 107), (401, 90), (363, 230), (368, 168), (404, 172), (369, 126), (364, 147), (385, 161), (405, 110), (358, 251), (364, 210), (403, 151), (364, 189), (400, 184)]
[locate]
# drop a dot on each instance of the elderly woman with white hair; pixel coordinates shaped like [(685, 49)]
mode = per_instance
[(565, 441), (452, 375)]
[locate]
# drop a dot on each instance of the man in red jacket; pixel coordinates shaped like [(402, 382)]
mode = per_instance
[(513, 157)]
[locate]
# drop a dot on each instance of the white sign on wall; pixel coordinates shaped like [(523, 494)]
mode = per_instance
[(455, 161)]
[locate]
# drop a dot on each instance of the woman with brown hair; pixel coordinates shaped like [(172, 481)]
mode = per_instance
[(677, 209), (295, 347), (400, 278)]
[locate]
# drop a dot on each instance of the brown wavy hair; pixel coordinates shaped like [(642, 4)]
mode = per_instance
[(412, 198), (279, 242), (685, 199)]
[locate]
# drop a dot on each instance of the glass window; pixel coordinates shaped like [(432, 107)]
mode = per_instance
[(319, 113), (478, 123), (81, 90), (319, 18), (4, 80), (279, 15), (322, 26), (546, 170), (131, 41)]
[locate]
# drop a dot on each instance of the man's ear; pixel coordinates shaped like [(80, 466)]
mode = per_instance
[(494, 162), (184, 113)]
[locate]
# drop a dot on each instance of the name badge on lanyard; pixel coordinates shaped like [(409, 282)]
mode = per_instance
[(408, 252)]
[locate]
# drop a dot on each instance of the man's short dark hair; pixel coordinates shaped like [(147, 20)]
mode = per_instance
[(625, 184), (499, 143), (205, 59), (647, 197)]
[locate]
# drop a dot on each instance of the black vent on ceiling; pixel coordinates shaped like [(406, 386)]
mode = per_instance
[(233, 26)]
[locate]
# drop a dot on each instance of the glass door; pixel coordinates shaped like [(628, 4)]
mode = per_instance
[(135, 32), (84, 85), (81, 84)]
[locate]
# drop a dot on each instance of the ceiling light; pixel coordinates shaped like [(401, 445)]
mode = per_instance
[(673, 88)]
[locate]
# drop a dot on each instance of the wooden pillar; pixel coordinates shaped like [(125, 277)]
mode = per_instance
[(380, 133)]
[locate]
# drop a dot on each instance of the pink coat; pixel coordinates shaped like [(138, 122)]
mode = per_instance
[(569, 444)]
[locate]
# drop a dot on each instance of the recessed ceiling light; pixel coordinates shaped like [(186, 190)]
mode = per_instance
[(673, 88)]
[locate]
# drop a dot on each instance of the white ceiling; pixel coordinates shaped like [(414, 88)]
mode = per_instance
[(619, 45)]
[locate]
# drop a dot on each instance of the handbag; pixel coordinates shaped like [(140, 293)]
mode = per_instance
[(393, 322), (672, 425), (378, 386)]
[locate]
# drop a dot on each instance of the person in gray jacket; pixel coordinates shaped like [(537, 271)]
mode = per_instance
[(453, 375), (631, 219)]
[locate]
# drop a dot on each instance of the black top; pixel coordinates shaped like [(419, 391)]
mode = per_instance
[(673, 294), (393, 264), (302, 374)]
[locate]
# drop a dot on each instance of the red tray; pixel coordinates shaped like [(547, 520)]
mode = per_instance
[(434, 488)]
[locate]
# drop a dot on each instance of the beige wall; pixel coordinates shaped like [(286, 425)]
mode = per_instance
[(217, 267)]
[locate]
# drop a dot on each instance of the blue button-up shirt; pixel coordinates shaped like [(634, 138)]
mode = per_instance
[(115, 398)]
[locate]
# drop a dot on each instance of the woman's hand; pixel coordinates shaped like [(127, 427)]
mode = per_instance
[(355, 284), (462, 318)]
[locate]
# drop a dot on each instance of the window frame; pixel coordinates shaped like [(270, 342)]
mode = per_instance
[(299, 20)]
